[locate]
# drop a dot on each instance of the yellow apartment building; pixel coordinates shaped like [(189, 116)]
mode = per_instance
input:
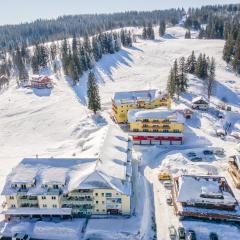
[(156, 126), (122, 102)]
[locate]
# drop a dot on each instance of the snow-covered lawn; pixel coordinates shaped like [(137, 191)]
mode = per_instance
[(57, 123)]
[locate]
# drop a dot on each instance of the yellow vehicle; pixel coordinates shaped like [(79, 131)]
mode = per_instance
[(164, 176)]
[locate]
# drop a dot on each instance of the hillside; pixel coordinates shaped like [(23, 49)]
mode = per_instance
[(57, 123)]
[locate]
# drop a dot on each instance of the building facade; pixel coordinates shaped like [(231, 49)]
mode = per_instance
[(74, 187), (122, 102), (208, 197), (158, 126), (234, 170)]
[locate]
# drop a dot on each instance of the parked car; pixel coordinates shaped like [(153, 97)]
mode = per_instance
[(196, 159), (172, 232), (219, 152), (213, 236), (208, 152), (164, 176), (181, 233), (167, 184), (191, 235), (169, 200), (191, 154), (220, 115)]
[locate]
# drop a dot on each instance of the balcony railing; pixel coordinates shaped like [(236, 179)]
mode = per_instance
[(78, 206), (24, 205)]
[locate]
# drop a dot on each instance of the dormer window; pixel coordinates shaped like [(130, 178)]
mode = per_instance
[(55, 186)]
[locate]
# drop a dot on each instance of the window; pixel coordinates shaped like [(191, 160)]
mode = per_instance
[(155, 130), (103, 202), (108, 194), (11, 197), (97, 210), (135, 130), (145, 125), (13, 205), (54, 206), (53, 197), (96, 202), (55, 186), (44, 205), (145, 130), (43, 197), (96, 194), (102, 194)]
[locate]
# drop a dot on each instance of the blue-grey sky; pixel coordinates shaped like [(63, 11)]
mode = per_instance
[(16, 11)]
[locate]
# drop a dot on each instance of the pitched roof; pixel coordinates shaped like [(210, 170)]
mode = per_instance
[(133, 96), (106, 169), (199, 98), (160, 113)]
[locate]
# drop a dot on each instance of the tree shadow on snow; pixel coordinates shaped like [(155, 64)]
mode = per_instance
[(109, 63), (103, 70), (42, 92), (223, 92)]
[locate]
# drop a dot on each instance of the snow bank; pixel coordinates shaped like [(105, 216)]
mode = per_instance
[(63, 230)]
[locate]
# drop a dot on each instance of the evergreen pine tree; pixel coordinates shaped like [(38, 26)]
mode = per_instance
[(182, 76), (162, 28), (171, 85), (228, 49), (198, 69), (94, 102), (211, 78), (191, 63), (144, 34), (188, 35), (150, 32), (65, 55), (236, 57), (53, 51), (176, 79)]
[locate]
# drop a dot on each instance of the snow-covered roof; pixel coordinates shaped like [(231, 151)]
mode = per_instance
[(160, 113), (133, 96), (199, 98), (107, 169), (237, 160), (25, 175), (196, 189)]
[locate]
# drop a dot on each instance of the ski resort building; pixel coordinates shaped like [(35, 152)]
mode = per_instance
[(74, 187), (207, 197), (122, 102), (41, 82), (157, 126), (200, 103), (234, 170)]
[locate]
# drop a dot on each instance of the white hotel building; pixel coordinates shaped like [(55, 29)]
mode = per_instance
[(75, 187)]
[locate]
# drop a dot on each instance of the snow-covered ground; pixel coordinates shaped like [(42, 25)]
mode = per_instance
[(57, 123)]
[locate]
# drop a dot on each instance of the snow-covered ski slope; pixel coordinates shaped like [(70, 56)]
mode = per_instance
[(57, 123)]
